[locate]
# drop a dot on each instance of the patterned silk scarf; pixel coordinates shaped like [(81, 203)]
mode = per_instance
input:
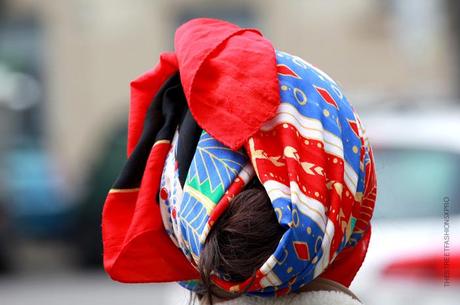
[(241, 114)]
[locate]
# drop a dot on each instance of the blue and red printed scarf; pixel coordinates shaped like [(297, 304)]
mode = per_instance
[(224, 109)]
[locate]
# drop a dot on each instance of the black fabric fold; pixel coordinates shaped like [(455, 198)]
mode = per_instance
[(167, 112)]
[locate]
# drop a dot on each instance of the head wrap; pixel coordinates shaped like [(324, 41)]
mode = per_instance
[(223, 109)]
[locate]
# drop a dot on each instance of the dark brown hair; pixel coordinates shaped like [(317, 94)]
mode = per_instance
[(241, 240)]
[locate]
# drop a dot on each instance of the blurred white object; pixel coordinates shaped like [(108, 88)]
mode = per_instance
[(417, 155), (18, 91)]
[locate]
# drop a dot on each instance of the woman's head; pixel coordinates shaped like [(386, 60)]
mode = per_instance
[(241, 240), (228, 108)]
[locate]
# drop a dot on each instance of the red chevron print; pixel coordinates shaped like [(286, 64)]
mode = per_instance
[(301, 249), (285, 70), (327, 96), (354, 127)]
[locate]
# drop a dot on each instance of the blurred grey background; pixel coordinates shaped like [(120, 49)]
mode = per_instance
[(65, 68)]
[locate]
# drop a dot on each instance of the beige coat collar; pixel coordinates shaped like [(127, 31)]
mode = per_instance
[(304, 298)]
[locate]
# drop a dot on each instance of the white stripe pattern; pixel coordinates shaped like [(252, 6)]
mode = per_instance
[(305, 204), (247, 173), (350, 178), (326, 246), (308, 127)]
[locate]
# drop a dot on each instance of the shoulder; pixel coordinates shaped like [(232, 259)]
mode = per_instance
[(305, 298)]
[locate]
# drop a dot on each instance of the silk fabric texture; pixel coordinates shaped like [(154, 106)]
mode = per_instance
[(256, 113)]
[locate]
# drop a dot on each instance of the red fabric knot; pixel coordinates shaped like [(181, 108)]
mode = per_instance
[(229, 77)]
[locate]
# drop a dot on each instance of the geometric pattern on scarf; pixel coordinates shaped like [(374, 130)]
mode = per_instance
[(313, 159)]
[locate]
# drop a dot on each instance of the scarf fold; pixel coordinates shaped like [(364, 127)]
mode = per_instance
[(223, 109)]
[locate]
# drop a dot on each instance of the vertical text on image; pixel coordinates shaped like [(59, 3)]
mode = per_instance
[(446, 239)]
